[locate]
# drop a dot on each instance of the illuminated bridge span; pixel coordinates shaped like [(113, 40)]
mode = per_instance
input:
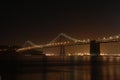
[(54, 43), (94, 44)]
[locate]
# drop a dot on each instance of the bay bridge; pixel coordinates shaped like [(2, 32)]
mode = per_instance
[(70, 41)]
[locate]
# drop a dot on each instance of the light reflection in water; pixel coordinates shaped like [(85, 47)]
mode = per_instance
[(89, 68)]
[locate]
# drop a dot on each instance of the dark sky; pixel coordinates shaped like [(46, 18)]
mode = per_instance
[(41, 21)]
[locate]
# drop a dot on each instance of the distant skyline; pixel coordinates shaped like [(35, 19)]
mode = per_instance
[(41, 22)]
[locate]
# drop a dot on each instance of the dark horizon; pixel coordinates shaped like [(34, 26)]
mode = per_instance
[(41, 22)]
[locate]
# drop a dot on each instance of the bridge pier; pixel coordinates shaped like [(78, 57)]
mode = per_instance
[(94, 48), (62, 50)]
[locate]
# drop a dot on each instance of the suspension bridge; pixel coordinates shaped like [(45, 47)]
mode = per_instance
[(70, 41)]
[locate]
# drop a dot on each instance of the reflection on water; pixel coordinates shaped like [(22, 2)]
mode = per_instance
[(94, 68)]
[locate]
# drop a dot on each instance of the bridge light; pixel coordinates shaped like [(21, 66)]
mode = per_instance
[(104, 38), (76, 41), (117, 36), (88, 40), (47, 44), (29, 47), (79, 40), (58, 43), (110, 37), (84, 41), (50, 44), (69, 54), (55, 43), (65, 42)]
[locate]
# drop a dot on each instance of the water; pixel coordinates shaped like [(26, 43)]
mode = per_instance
[(84, 68)]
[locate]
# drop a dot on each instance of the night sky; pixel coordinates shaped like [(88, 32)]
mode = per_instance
[(40, 22)]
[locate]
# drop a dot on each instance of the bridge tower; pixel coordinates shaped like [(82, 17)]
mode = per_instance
[(62, 50), (94, 48)]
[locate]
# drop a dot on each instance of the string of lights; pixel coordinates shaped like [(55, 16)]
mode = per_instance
[(53, 43)]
